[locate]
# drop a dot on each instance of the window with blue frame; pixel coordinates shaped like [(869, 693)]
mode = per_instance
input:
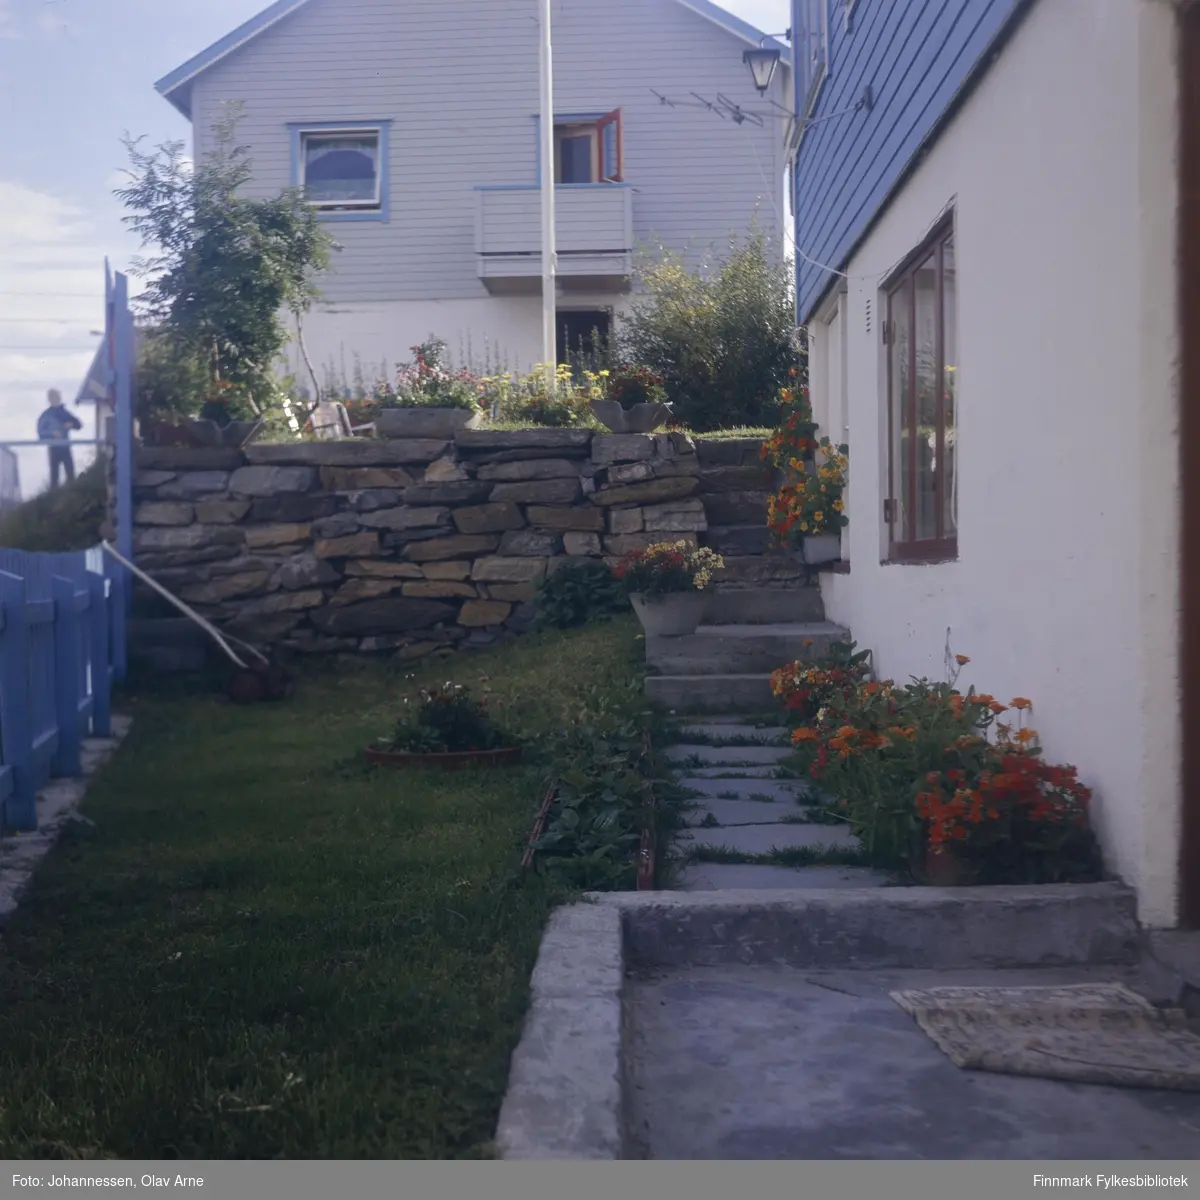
[(340, 169), (589, 151)]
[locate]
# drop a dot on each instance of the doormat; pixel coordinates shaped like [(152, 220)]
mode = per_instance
[(1084, 1033)]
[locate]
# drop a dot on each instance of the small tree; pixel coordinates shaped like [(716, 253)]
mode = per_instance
[(724, 341), (226, 268)]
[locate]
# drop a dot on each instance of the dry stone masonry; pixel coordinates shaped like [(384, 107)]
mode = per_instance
[(415, 545)]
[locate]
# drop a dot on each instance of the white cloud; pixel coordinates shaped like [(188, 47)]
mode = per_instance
[(51, 299)]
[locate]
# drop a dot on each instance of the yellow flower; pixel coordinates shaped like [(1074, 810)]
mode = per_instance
[(819, 517)]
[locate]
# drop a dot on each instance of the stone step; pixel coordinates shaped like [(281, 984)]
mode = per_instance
[(762, 839), (743, 877), (702, 757), (749, 787), (752, 570), (738, 540), (718, 731), (744, 649), (729, 813), (764, 606), (711, 693)]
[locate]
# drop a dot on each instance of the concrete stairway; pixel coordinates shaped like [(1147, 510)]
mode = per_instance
[(725, 666)]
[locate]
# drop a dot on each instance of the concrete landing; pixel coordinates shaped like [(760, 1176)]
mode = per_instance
[(774, 1063), (720, 877)]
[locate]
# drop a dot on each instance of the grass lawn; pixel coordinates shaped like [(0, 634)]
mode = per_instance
[(261, 949)]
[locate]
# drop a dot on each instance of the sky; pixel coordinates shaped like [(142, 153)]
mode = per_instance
[(75, 76)]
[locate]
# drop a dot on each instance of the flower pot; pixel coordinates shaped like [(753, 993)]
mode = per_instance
[(641, 418), (674, 615), (204, 432), (399, 423), (824, 548), (464, 760), (940, 867)]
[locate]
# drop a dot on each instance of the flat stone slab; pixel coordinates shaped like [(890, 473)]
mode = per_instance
[(753, 877), (717, 731), (741, 812), (733, 770), (733, 756), (777, 1063), (783, 791), (762, 839)]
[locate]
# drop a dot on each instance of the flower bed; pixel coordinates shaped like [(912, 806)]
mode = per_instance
[(925, 771)]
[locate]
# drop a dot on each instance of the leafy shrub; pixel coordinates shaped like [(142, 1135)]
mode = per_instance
[(723, 341), (528, 400), (427, 382), (669, 568), (927, 768), (578, 593), (607, 789), (446, 720)]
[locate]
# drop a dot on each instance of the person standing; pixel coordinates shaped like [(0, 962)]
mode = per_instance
[(54, 427)]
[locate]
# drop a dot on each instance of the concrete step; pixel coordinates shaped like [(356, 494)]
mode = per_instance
[(702, 757), (738, 540), (764, 606), (753, 570), (719, 731), (726, 649), (762, 839), (711, 693), (749, 877)]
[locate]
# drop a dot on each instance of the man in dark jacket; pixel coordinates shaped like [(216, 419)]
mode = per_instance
[(54, 427)]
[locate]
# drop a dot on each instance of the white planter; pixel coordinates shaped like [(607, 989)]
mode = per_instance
[(674, 615), (401, 423), (825, 548)]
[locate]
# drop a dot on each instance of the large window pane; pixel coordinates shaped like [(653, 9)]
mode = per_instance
[(950, 391), (341, 168), (901, 411), (925, 350)]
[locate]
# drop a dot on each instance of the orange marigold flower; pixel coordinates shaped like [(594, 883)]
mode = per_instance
[(1025, 736), (804, 735), (1021, 703), (997, 707), (961, 659)]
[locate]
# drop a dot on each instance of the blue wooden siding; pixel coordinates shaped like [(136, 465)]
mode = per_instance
[(917, 56)]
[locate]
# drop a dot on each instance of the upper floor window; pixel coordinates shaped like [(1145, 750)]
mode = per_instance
[(922, 342), (589, 150), (812, 50), (341, 168)]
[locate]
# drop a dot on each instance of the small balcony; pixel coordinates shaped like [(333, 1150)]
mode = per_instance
[(595, 237)]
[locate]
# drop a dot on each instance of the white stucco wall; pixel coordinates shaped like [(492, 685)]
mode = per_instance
[(500, 332), (1061, 168)]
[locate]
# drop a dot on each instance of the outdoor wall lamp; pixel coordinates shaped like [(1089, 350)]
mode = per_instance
[(764, 62)]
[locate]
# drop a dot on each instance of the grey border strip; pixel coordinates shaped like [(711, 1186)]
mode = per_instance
[(564, 1097), (566, 1089)]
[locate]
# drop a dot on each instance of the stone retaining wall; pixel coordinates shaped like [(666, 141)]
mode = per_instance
[(415, 545)]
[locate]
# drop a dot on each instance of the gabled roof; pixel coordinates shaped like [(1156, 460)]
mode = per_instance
[(176, 86)]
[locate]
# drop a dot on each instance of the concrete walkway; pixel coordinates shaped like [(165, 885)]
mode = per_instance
[(750, 828)]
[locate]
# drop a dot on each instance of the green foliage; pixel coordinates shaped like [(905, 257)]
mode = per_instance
[(515, 399), (59, 521), (577, 593), (169, 378), (608, 789), (447, 720), (723, 341), (225, 268)]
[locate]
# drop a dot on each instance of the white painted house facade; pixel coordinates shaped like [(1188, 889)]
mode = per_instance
[(414, 128), (989, 270)]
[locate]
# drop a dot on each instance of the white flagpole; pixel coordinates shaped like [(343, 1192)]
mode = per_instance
[(549, 240)]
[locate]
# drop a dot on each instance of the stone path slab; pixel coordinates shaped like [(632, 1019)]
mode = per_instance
[(762, 839), (783, 791), (732, 756), (715, 732)]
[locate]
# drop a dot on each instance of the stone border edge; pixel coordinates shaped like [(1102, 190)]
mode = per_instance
[(565, 1097), (57, 806)]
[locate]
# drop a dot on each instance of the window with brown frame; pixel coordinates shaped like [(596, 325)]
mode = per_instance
[(922, 349)]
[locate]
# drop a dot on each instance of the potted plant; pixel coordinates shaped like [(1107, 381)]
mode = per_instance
[(447, 729), (635, 401), (428, 400), (667, 584), (808, 512)]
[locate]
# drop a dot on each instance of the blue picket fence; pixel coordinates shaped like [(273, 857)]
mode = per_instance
[(59, 658)]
